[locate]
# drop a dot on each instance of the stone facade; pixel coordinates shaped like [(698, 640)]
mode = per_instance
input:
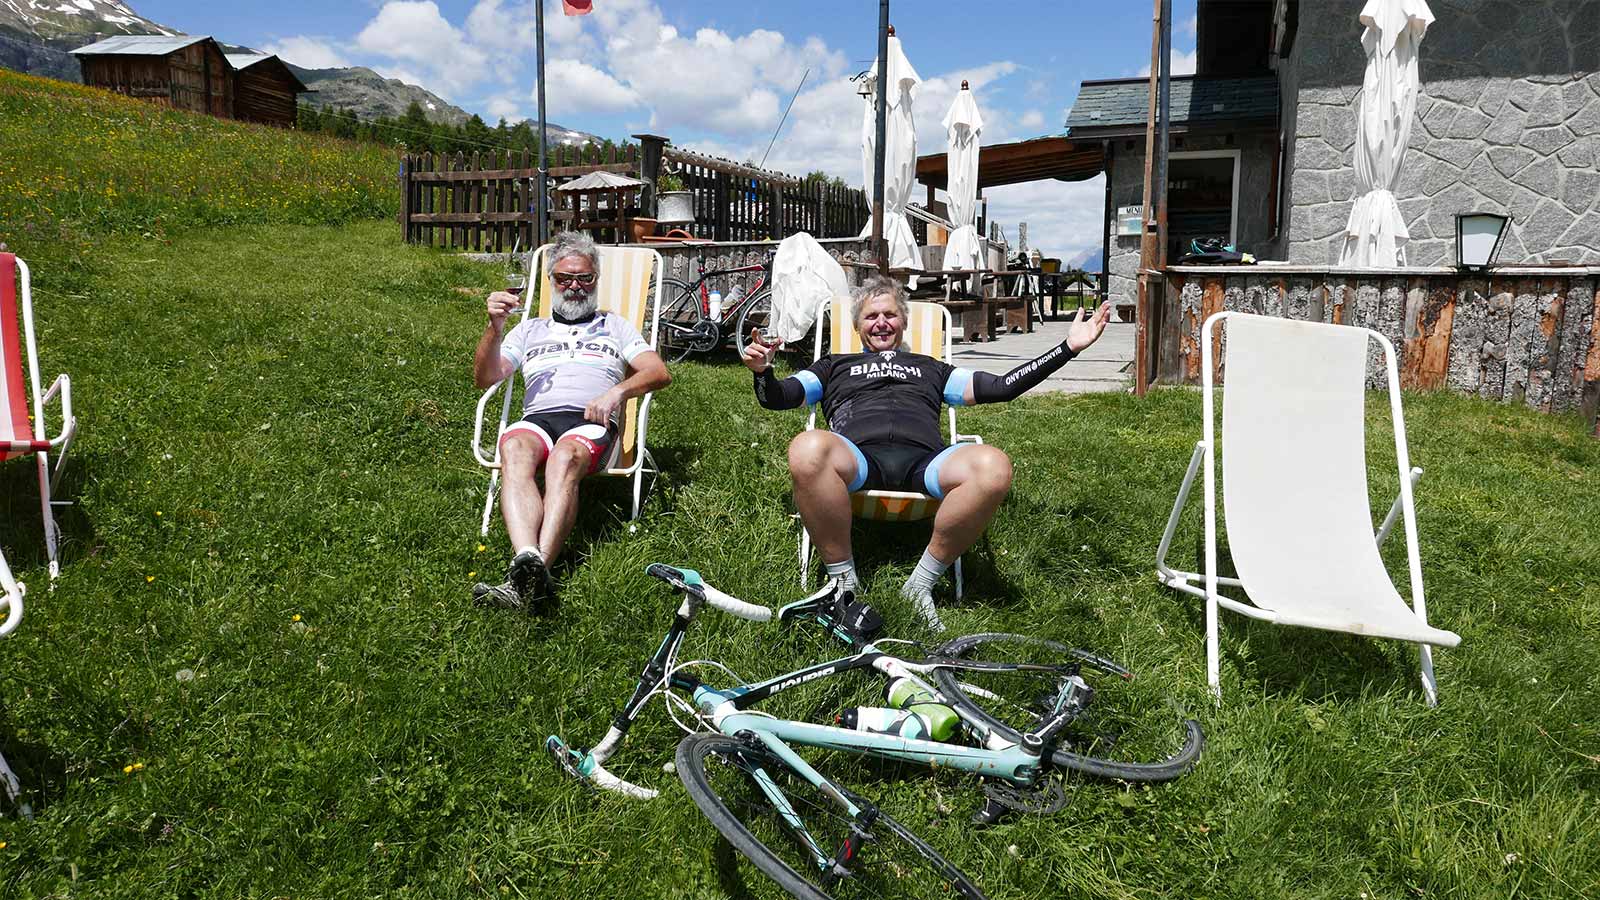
[(1508, 121), (1255, 224)]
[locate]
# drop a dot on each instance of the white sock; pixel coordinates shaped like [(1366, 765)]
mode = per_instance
[(929, 571), (845, 573), (919, 589), (528, 549)]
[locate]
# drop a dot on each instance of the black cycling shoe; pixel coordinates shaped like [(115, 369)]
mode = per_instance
[(496, 596), (530, 577)]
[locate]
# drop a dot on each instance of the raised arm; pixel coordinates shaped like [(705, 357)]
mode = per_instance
[(984, 387), (489, 365), (798, 389)]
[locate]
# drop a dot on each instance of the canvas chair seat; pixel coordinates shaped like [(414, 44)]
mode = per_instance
[(629, 285), (928, 330), (1294, 488)]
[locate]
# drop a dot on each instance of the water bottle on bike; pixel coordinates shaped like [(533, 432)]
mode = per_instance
[(882, 720), (714, 302), (904, 693)]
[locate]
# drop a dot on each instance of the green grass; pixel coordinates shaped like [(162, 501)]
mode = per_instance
[(78, 162), (275, 423)]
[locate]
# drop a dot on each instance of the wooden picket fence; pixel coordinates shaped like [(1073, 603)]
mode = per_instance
[(738, 203), (485, 201)]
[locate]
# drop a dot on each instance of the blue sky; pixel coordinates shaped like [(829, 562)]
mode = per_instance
[(715, 74)]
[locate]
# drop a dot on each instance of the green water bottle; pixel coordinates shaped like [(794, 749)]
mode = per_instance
[(903, 693)]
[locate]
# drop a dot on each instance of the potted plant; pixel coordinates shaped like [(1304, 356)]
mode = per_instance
[(674, 204)]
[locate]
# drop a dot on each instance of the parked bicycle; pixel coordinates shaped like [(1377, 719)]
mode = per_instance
[(697, 319), (1013, 709)]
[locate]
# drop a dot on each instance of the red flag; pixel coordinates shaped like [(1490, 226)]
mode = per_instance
[(577, 7)]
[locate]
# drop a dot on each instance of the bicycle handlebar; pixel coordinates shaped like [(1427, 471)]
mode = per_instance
[(690, 582)]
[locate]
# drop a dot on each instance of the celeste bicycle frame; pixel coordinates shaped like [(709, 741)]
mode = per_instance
[(728, 710)]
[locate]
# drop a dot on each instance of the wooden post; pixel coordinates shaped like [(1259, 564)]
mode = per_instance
[(651, 147), (1147, 242)]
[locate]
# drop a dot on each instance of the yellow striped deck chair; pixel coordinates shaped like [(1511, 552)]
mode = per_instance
[(927, 332), (630, 285)]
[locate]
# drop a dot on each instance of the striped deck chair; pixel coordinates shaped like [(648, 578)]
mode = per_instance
[(22, 433), (630, 285), (927, 332)]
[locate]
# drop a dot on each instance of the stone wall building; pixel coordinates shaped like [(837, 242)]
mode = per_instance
[(1508, 121)]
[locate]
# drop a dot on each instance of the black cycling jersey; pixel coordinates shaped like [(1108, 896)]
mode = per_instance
[(894, 396), (888, 397)]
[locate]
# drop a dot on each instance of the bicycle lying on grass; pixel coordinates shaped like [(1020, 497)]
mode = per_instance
[(998, 706)]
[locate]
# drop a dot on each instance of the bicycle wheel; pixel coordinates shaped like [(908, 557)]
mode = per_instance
[(681, 329), (1124, 734), (820, 851), (756, 314)]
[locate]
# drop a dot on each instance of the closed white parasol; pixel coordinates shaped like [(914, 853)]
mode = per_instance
[(899, 158), (963, 125), (1376, 234)]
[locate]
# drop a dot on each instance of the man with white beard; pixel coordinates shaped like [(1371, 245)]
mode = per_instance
[(578, 367)]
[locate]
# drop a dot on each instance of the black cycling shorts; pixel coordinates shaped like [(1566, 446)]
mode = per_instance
[(897, 467)]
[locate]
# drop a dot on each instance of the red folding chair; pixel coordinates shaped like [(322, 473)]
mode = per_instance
[(22, 434)]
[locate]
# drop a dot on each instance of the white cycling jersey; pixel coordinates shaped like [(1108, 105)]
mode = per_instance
[(566, 366)]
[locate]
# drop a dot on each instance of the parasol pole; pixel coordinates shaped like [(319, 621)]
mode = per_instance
[(541, 214), (884, 30)]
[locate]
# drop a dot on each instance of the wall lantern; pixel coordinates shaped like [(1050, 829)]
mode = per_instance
[(1478, 237)]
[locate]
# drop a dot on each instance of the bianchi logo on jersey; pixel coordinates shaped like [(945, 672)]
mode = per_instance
[(886, 370), (886, 355)]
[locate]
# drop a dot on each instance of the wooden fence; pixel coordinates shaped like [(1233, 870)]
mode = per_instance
[(739, 203), (1528, 336), (485, 201)]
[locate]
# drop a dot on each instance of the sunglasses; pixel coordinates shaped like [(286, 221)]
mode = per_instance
[(564, 279)]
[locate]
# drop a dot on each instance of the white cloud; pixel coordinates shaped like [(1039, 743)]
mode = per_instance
[(1064, 218), (1182, 63), (1190, 25), (415, 31), (1031, 119), (308, 52), (572, 86)]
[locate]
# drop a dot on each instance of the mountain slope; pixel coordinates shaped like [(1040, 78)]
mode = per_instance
[(35, 36)]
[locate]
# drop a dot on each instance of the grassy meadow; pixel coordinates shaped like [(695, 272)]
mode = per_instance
[(77, 162), (259, 674)]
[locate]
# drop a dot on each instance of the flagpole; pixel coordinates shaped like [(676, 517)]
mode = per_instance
[(877, 157), (542, 214)]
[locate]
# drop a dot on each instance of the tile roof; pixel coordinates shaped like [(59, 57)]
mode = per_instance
[(139, 45), (1120, 103)]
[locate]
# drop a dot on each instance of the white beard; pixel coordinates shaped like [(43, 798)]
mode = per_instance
[(575, 305)]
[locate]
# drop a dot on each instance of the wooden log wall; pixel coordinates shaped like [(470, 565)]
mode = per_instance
[(1515, 336)]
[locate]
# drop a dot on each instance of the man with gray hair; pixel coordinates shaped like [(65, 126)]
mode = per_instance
[(882, 406), (579, 367)]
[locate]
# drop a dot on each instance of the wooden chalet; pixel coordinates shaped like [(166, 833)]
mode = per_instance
[(180, 71), (265, 90)]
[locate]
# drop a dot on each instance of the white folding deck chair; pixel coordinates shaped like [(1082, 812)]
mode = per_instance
[(630, 285), (22, 434), (927, 332), (1294, 485)]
